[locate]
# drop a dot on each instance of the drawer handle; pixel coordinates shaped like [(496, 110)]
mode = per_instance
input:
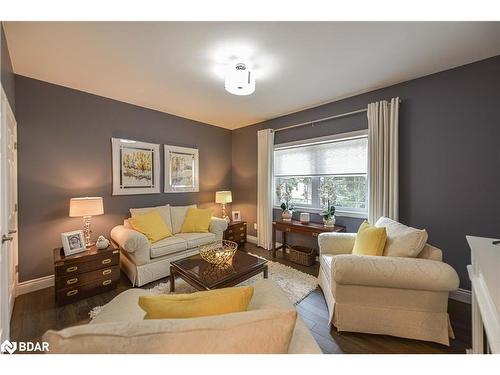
[(288, 230), (242, 234), (71, 269), (72, 281), (106, 261), (230, 237), (242, 229), (230, 231), (106, 272), (315, 234), (72, 292), (106, 282)]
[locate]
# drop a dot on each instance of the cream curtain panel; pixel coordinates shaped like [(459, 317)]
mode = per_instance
[(265, 149), (383, 191)]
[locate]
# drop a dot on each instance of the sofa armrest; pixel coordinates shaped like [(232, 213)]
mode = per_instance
[(336, 243), (218, 226), (133, 242), (394, 272)]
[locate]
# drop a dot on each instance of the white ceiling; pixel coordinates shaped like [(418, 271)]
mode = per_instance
[(171, 66)]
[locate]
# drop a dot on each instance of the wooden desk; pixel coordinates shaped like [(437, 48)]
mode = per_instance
[(295, 226)]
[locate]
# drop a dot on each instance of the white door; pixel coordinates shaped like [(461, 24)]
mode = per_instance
[(8, 214)]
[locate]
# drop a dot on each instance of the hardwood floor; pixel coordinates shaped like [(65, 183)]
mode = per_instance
[(36, 312)]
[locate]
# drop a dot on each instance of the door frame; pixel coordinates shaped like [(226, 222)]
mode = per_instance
[(8, 259)]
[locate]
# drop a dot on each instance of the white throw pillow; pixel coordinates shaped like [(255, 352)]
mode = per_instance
[(164, 212), (178, 214), (402, 241), (249, 332)]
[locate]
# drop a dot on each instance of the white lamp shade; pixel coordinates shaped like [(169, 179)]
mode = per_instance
[(88, 206), (223, 197)]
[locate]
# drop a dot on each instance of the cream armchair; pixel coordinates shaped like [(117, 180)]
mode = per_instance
[(398, 296)]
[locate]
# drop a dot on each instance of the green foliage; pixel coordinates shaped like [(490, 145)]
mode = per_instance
[(329, 212)]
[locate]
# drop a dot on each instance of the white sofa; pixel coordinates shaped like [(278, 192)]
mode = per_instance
[(122, 320), (391, 295), (144, 262)]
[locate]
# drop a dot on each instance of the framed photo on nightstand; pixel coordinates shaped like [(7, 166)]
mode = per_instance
[(73, 242), (236, 216)]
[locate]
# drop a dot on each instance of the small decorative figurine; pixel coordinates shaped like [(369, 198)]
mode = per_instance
[(102, 242)]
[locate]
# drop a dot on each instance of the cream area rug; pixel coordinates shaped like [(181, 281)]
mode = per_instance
[(296, 284)]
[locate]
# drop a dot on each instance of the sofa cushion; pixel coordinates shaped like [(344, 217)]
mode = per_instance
[(370, 240), (167, 246), (249, 332), (177, 215), (197, 239), (198, 304), (151, 225), (164, 212), (197, 220), (402, 241)]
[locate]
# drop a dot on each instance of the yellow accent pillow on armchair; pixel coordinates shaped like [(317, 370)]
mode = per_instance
[(370, 240), (206, 303), (197, 220), (151, 225)]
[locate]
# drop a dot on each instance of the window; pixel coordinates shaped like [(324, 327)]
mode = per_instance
[(308, 175)]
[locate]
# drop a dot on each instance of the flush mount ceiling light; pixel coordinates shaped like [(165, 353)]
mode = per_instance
[(239, 80)]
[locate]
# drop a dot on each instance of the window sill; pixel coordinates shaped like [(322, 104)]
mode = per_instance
[(339, 213)]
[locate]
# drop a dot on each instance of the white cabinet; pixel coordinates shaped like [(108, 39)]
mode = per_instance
[(484, 273)]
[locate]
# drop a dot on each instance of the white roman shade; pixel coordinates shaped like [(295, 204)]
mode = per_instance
[(328, 158)]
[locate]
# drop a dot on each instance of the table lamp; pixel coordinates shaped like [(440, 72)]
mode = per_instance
[(86, 208), (223, 197)]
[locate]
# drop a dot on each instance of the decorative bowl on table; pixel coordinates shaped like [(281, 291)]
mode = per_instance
[(218, 252)]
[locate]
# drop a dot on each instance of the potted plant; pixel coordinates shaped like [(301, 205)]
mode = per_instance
[(286, 211), (329, 216)]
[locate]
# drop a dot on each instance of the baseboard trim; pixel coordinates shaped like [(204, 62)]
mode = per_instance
[(35, 284), (252, 239), (462, 295)]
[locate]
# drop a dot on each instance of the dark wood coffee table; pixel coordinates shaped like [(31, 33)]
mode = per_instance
[(202, 275)]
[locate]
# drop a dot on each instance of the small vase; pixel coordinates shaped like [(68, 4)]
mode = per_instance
[(286, 215), (329, 223)]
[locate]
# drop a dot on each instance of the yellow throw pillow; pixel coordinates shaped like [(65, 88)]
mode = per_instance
[(151, 225), (211, 302), (197, 220), (370, 240)]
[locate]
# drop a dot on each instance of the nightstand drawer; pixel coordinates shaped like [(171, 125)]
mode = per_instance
[(83, 291), (105, 261), (84, 278), (237, 232)]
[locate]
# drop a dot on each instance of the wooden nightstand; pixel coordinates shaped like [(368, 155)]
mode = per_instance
[(85, 274), (236, 231)]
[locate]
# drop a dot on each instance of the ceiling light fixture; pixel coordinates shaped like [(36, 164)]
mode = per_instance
[(239, 79)]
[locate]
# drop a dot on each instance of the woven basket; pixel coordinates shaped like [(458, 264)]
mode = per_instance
[(301, 255)]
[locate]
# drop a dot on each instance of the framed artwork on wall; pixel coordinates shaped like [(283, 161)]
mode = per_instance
[(181, 169), (136, 167)]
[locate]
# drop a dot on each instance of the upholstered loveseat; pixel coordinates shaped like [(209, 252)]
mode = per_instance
[(404, 296), (120, 328), (144, 262)]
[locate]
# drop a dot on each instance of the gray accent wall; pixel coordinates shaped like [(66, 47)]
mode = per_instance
[(6, 71), (449, 154), (65, 151)]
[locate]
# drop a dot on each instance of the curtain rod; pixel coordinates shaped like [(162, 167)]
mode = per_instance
[(313, 122)]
